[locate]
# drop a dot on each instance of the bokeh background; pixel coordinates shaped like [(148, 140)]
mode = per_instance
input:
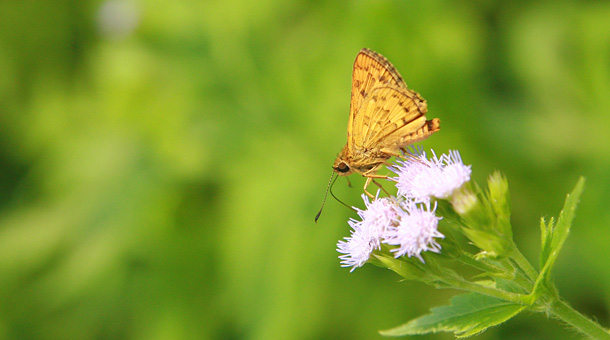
[(161, 162)]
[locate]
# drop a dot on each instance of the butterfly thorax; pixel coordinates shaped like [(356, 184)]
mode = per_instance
[(359, 160)]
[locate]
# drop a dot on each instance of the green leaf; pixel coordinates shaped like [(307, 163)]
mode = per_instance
[(546, 231), (467, 315), (401, 267), (499, 198), (555, 234)]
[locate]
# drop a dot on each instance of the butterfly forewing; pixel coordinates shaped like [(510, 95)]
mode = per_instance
[(371, 70)]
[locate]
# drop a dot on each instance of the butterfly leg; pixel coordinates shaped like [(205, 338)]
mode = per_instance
[(381, 187), (369, 178)]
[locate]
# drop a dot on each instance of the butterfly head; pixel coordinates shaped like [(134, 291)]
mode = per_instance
[(342, 168)]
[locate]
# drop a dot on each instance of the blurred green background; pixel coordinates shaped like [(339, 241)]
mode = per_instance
[(161, 162)]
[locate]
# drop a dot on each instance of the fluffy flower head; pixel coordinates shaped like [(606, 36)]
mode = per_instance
[(421, 178), (416, 231), (366, 235)]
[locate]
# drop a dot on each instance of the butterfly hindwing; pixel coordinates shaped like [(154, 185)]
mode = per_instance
[(386, 116)]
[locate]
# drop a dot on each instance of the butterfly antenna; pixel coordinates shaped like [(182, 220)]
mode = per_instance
[(330, 182)]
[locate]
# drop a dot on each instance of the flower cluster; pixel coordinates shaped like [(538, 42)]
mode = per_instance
[(410, 226), (408, 221)]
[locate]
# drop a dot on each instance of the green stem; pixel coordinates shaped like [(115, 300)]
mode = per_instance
[(520, 276), (485, 267), (524, 264), (484, 290), (558, 309), (581, 323)]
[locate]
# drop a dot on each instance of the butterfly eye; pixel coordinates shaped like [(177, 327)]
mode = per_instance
[(342, 167)]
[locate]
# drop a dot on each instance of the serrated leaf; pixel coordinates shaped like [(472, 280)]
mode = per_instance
[(467, 315), (556, 233)]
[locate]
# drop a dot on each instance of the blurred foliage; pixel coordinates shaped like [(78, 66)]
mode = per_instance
[(161, 162)]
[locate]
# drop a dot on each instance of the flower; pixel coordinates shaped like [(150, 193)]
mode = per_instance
[(378, 216), (421, 178), (410, 225), (416, 230), (366, 235), (357, 248)]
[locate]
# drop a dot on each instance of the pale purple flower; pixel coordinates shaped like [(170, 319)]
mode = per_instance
[(416, 230), (421, 178), (357, 248), (366, 235), (379, 215)]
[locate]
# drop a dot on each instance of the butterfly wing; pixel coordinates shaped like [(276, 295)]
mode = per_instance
[(371, 70), (390, 118)]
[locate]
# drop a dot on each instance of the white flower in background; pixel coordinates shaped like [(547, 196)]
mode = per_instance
[(118, 19)]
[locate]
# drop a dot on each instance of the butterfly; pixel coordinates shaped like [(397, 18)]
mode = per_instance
[(385, 117)]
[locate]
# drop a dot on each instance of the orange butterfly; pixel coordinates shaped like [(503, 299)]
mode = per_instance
[(385, 116)]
